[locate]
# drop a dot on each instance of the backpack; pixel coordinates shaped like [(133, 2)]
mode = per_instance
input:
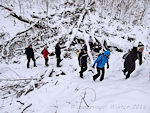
[(101, 58), (79, 53), (126, 54), (26, 51), (101, 54), (42, 52)]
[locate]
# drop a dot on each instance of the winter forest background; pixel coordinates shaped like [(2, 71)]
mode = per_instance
[(100, 24)]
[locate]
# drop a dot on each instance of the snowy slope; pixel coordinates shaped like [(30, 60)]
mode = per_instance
[(63, 93)]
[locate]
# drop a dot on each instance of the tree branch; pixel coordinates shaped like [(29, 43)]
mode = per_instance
[(18, 79), (16, 16), (26, 108)]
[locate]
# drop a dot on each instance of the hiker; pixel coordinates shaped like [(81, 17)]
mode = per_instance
[(130, 60), (82, 58), (100, 61), (45, 55), (58, 53), (30, 55)]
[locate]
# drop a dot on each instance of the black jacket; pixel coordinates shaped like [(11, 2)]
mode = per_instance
[(83, 59), (130, 61), (29, 52), (57, 51)]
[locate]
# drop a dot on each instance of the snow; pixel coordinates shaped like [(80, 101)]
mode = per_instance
[(61, 90), (63, 93)]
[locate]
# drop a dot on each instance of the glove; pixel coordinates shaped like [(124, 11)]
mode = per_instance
[(93, 66), (140, 63), (107, 66)]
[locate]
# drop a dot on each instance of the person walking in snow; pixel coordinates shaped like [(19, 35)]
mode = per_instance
[(82, 58), (30, 55), (130, 60), (45, 55), (58, 53), (100, 61)]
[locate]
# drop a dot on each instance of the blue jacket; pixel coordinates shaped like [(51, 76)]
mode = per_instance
[(102, 59)]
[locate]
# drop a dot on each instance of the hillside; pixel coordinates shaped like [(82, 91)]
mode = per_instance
[(101, 25)]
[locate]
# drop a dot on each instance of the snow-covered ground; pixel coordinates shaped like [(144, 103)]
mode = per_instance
[(61, 90), (71, 94)]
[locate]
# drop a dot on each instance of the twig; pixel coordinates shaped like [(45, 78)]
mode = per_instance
[(6, 8), (93, 91), (56, 82), (83, 98), (24, 31), (80, 105), (20, 102), (26, 108), (86, 103)]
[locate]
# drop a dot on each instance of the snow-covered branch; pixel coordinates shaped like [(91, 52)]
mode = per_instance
[(17, 16)]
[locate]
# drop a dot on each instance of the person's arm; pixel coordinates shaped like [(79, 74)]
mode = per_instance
[(140, 58), (80, 59), (62, 47), (97, 60), (26, 51), (107, 64)]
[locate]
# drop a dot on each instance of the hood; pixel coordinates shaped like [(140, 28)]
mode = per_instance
[(107, 52)]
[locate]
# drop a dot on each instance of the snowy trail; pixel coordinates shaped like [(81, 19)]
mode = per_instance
[(114, 94)]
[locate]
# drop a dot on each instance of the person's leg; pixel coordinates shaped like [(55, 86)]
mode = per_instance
[(103, 72), (34, 61), (28, 63), (81, 72), (83, 69), (128, 75), (58, 61), (125, 71), (46, 61), (97, 75)]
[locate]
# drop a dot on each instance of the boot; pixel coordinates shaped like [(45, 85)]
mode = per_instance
[(124, 72), (94, 78), (35, 64), (81, 75), (28, 65), (101, 79), (127, 76)]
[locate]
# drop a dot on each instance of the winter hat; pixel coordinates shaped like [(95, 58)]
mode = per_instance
[(140, 45), (30, 45), (107, 52), (85, 48), (45, 46)]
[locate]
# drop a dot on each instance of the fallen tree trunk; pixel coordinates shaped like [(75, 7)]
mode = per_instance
[(18, 79)]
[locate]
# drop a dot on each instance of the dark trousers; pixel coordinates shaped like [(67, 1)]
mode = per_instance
[(83, 69), (98, 74), (28, 63), (58, 61), (46, 61), (128, 74)]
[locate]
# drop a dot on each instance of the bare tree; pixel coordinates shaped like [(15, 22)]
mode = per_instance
[(19, 6)]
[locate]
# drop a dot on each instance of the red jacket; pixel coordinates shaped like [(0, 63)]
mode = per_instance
[(45, 53)]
